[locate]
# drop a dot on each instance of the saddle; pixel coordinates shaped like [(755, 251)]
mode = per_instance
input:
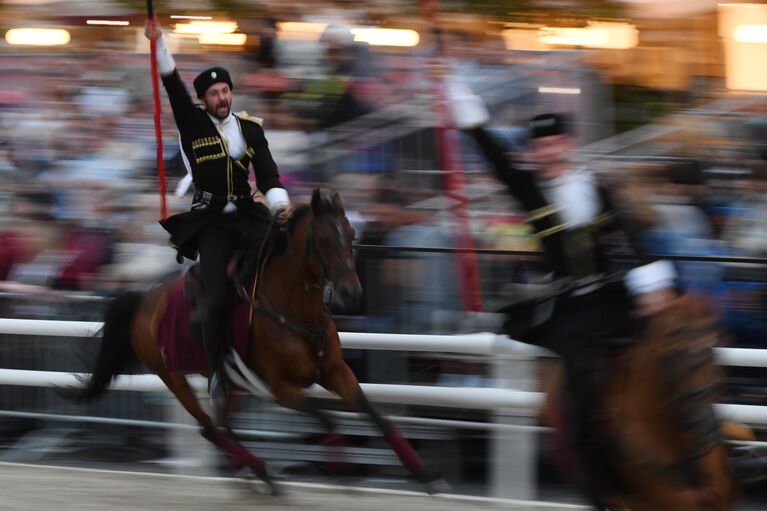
[(177, 319), (240, 274)]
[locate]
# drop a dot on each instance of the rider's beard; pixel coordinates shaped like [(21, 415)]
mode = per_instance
[(221, 110)]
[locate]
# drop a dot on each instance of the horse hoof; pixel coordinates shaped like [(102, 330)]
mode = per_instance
[(274, 489), (438, 486), (434, 482), (262, 486)]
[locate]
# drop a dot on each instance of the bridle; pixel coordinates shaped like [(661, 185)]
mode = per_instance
[(311, 252), (315, 332)]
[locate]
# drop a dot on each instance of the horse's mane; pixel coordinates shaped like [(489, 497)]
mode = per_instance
[(683, 314), (323, 205), (281, 237)]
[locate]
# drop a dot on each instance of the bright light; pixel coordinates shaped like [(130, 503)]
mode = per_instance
[(223, 39), (751, 34), (741, 26), (559, 90), (37, 36), (184, 17), (206, 27), (116, 23), (611, 35), (386, 36), (522, 38), (300, 31)]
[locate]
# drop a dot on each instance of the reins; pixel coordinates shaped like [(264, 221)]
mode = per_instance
[(315, 333)]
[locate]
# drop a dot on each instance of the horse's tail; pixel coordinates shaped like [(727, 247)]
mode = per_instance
[(116, 353)]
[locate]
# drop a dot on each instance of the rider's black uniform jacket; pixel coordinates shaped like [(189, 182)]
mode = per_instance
[(214, 170), (571, 251), (585, 305)]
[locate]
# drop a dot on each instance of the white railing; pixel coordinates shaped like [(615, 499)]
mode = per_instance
[(514, 473), (452, 397), (473, 344)]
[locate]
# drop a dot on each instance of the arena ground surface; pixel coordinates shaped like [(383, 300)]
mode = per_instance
[(25, 487), (33, 487)]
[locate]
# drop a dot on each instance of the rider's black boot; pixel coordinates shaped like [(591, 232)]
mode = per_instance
[(214, 337)]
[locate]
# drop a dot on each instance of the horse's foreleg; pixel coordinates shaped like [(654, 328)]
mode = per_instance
[(342, 381), (292, 397), (239, 456)]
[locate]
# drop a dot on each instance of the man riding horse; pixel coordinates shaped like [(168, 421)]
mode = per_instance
[(217, 147), (572, 216)]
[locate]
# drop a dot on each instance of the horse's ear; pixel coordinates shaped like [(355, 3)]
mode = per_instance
[(317, 201), (338, 204)]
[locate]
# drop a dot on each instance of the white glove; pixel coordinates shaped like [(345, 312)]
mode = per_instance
[(467, 108), (652, 286), (650, 277), (277, 198)]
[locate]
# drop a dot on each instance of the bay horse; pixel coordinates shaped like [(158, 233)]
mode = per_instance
[(292, 339), (657, 438)]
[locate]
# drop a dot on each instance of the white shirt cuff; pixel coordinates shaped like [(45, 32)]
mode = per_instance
[(276, 197), (183, 186), (467, 108), (165, 62), (650, 277)]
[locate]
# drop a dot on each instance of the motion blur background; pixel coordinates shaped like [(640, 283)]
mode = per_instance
[(669, 103)]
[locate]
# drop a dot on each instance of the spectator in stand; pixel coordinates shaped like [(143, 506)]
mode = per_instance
[(87, 250), (29, 244)]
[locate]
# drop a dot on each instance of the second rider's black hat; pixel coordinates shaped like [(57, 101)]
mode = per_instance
[(548, 124)]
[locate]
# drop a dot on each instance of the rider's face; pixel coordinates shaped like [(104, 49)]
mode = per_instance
[(550, 155), (218, 100)]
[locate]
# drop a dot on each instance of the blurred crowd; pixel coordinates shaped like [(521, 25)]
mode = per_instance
[(80, 202), (77, 147), (80, 199)]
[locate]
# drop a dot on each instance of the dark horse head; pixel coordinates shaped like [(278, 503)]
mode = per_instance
[(328, 237)]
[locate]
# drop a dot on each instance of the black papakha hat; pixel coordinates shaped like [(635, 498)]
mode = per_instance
[(209, 77), (544, 125)]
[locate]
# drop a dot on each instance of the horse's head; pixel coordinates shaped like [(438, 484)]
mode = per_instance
[(329, 237)]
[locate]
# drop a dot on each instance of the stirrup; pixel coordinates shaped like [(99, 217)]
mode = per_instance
[(242, 291), (218, 394)]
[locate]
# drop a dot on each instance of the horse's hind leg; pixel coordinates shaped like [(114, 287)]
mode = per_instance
[(239, 456), (341, 380)]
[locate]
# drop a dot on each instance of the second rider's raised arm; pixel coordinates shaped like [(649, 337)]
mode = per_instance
[(180, 101)]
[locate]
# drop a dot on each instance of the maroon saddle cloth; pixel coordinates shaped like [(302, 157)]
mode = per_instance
[(180, 352)]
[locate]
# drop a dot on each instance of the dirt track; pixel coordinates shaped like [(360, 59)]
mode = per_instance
[(29, 487)]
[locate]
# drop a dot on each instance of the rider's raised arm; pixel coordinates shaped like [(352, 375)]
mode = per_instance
[(471, 116), (180, 101)]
